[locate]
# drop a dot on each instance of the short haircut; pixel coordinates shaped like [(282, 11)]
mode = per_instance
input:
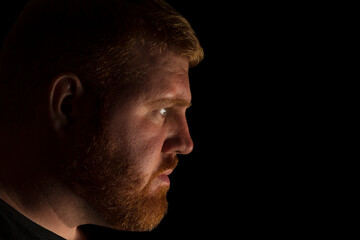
[(95, 39)]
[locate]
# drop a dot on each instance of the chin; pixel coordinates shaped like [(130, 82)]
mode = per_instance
[(137, 213)]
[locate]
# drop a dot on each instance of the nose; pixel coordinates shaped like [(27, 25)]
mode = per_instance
[(179, 140)]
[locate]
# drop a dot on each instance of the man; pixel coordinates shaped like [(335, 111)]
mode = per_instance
[(93, 99)]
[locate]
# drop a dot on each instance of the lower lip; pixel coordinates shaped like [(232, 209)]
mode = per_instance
[(165, 179)]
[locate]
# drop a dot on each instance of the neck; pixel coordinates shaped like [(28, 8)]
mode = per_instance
[(52, 205)]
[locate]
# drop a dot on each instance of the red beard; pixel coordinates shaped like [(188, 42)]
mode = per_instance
[(103, 176)]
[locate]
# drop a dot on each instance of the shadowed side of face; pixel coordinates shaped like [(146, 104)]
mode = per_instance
[(123, 170)]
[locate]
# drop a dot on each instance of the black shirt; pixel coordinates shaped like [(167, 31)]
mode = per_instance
[(15, 226)]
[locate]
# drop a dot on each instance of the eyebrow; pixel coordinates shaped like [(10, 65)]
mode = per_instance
[(178, 102)]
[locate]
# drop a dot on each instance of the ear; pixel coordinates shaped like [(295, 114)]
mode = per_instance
[(65, 91)]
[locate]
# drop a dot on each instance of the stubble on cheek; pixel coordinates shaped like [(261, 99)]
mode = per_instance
[(113, 186)]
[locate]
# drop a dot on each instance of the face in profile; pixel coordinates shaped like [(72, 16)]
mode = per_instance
[(122, 171)]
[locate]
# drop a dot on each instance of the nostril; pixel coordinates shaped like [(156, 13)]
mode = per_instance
[(178, 145)]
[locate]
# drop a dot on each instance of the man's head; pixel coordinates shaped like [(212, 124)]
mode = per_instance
[(105, 85)]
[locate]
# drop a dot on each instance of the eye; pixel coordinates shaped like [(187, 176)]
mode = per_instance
[(163, 112)]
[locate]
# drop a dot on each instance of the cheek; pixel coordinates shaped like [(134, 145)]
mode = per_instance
[(140, 140), (146, 145)]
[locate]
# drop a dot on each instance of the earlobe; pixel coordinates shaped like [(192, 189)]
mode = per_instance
[(64, 92)]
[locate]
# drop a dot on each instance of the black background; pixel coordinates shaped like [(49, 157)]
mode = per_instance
[(254, 121), (204, 188)]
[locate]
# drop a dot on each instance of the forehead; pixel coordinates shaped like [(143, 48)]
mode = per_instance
[(168, 78)]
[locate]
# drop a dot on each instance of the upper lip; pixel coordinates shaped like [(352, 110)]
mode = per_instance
[(167, 172)]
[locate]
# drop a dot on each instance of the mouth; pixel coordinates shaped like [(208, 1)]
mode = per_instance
[(164, 177)]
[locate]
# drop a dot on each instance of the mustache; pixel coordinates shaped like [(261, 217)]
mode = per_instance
[(168, 163)]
